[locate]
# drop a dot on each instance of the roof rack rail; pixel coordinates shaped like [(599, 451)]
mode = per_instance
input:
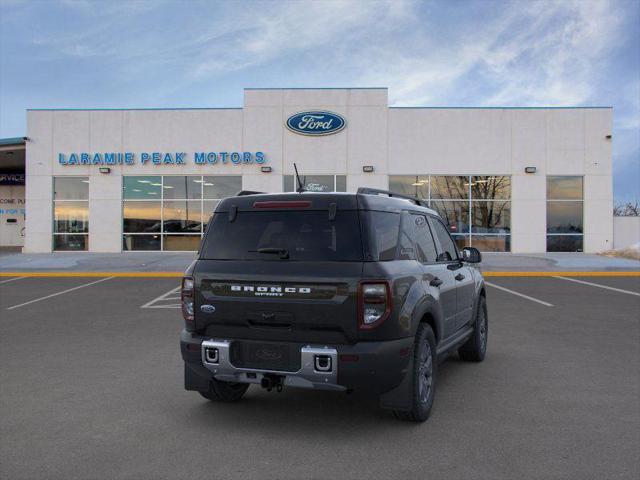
[(375, 191), (242, 193)]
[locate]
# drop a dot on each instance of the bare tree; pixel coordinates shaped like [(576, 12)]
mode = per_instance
[(628, 209)]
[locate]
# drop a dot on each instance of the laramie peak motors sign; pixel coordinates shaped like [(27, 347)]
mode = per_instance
[(161, 158), (315, 123)]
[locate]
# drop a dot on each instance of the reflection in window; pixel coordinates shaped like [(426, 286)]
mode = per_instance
[(492, 243), (564, 188), (69, 242), (449, 187), (71, 217), (181, 216), (71, 188), (141, 217), (470, 205), (316, 183), (564, 243), (414, 186), (175, 207), (564, 214), (181, 243), (182, 187), (140, 242), (70, 213), (491, 217), (446, 244), (144, 188), (217, 188), (496, 187), (208, 207), (462, 240), (454, 214), (564, 217)]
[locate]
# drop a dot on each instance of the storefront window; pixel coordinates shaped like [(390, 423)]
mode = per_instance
[(316, 183), (564, 214), (70, 213), (171, 212), (414, 186), (475, 208)]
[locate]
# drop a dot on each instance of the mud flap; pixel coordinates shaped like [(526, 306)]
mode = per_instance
[(196, 380), (401, 397)]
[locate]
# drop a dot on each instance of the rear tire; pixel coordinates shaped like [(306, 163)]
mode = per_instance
[(424, 369), (475, 349), (224, 391)]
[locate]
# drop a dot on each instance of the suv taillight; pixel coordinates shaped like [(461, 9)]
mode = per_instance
[(374, 303), (186, 299)]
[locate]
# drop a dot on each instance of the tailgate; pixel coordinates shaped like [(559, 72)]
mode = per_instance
[(305, 302)]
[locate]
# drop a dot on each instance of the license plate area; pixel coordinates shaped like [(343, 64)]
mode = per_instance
[(281, 357)]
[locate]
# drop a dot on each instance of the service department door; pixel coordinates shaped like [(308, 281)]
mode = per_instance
[(12, 210)]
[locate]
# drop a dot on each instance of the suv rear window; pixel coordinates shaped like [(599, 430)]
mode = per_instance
[(305, 235)]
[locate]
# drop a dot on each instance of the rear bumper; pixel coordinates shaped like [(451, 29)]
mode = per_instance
[(374, 367)]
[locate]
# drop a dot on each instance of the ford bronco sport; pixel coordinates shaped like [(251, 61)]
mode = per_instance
[(330, 291)]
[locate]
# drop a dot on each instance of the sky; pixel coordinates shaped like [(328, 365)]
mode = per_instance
[(137, 53)]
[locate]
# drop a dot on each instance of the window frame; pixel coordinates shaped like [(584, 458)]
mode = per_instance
[(55, 234), (564, 200), (439, 248), (436, 242), (334, 175), (467, 235), (202, 201)]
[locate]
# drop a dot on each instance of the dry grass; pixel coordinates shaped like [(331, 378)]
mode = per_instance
[(632, 253)]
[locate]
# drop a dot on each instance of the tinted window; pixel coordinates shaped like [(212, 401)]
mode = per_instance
[(406, 250), (306, 235), (448, 248), (424, 240), (71, 188), (564, 188), (383, 234), (564, 217)]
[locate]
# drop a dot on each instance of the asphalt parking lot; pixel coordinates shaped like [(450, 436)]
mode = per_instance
[(91, 387)]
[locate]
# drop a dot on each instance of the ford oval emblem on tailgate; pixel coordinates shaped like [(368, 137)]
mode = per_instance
[(207, 308)]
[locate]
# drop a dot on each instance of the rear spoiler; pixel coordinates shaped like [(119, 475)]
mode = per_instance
[(375, 191), (243, 193)]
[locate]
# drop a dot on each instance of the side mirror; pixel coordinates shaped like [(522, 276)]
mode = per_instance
[(471, 255)]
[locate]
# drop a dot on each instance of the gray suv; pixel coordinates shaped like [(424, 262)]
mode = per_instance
[(330, 291)]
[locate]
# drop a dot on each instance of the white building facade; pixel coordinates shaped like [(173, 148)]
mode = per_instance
[(504, 179)]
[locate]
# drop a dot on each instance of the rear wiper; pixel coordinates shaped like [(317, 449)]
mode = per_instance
[(283, 252)]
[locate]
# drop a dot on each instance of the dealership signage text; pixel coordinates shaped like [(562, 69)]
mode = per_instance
[(161, 158)]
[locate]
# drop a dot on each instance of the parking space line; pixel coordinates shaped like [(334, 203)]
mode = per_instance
[(165, 296), (12, 279), (59, 293), (546, 304), (629, 292)]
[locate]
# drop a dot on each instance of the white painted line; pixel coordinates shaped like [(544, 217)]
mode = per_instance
[(629, 292), (546, 304), (12, 279), (164, 296), (60, 293)]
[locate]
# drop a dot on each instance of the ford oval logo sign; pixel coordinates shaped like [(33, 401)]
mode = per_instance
[(316, 123)]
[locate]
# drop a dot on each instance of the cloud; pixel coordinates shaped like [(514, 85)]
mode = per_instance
[(537, 53)]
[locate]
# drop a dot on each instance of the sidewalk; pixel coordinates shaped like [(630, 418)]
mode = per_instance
[(176, 263)]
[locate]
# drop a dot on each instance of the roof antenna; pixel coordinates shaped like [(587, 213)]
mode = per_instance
[(300, 188)]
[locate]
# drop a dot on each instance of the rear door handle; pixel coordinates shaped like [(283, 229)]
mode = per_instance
[(459, 277), (436, 282)]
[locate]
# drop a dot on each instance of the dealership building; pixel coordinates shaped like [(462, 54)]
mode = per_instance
[(504, 179)]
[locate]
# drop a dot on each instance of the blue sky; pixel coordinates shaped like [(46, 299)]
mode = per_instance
[(111, 54)]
